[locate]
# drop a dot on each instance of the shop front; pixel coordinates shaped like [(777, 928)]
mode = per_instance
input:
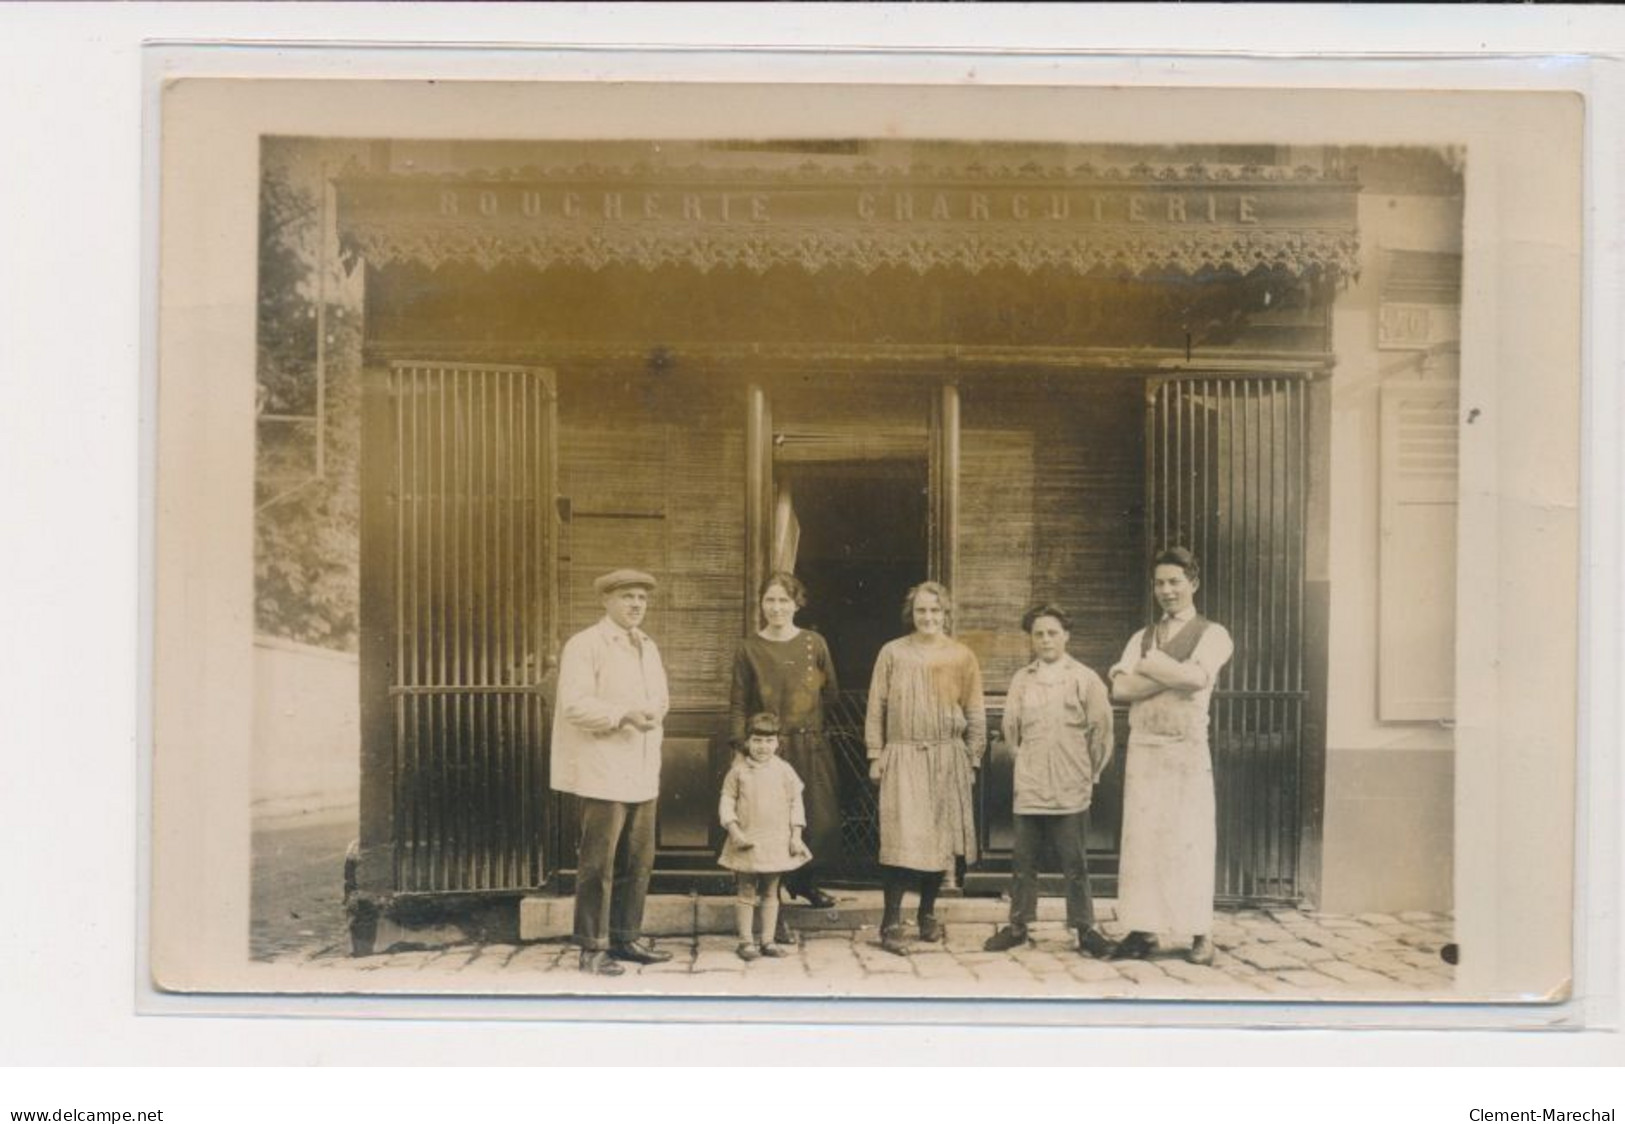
[(1019, 373)]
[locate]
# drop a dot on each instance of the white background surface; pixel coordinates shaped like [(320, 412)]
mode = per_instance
[(73, 667)]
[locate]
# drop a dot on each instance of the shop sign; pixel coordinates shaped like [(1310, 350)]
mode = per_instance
[(1083, 222)]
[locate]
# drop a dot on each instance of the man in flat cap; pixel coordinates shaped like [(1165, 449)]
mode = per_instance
[(606, 749)]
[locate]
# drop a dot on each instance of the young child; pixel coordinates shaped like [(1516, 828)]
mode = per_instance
[(762, 810)]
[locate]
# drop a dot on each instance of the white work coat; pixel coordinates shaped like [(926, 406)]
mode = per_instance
[(601, 677)]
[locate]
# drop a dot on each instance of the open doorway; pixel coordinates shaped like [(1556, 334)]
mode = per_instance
[(858, 532), (862, 543)]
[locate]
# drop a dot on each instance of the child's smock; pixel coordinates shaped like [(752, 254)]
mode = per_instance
[(765, 801)]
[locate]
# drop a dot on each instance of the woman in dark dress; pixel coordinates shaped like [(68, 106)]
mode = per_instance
[(787, 671)]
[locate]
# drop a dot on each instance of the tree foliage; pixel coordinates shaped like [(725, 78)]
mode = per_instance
[(307, 523), (286, 337)]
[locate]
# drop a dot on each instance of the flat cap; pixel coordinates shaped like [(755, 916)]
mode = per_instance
[(620, 579)]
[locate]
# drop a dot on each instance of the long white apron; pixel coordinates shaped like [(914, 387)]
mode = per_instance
[(1166, 874)]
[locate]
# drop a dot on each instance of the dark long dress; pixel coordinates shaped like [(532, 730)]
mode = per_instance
[(795, 679)]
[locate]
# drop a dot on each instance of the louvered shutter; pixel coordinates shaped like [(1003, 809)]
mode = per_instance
[(1417, 564)]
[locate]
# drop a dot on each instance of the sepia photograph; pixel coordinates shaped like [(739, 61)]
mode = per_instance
[(853, 562)]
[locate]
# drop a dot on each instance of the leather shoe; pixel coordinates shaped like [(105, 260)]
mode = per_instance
[(1005, 939), (817, 898), (894, 942), (931, 930), (1092, 942), (639, 952), (597, 962), (1201, 951), (1135, 946)]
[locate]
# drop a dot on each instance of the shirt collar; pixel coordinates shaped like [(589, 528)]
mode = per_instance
[(616, 632), (1181, 616), (1065, 660)]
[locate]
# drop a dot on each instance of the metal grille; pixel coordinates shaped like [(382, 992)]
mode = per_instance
[(860, 799), (472, 526), (1229, 477)]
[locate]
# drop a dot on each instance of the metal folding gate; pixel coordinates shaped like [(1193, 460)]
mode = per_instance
[(1228, 473), (860, 799), (462, 616)]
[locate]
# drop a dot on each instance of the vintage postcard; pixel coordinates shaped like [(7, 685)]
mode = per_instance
[(918, 542)]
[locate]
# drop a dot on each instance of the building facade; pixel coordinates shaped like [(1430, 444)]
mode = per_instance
[(1019, 370)]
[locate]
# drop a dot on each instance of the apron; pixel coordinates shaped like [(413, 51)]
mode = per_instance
[(1170, 842), (926, 818)]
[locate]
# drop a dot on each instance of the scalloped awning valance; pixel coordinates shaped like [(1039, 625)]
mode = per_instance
[(1136, 221)]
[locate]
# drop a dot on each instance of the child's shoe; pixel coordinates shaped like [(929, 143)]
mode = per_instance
[(931, 930), (774, 952), (748, 951)]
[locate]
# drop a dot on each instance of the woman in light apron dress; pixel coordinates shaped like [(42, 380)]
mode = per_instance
[(926, 733)]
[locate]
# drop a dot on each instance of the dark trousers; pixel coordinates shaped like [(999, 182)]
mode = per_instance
[(617, 853), (1068, 835)]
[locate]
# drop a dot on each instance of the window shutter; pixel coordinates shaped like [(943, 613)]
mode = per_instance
[(1417, 562)]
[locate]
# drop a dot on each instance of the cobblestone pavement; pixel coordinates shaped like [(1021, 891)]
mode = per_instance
[(1263, 954), (298, 939)]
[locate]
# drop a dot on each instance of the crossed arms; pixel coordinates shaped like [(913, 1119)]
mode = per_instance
[(1156, 672)]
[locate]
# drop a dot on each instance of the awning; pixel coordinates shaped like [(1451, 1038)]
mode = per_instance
[(1136, 221)]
